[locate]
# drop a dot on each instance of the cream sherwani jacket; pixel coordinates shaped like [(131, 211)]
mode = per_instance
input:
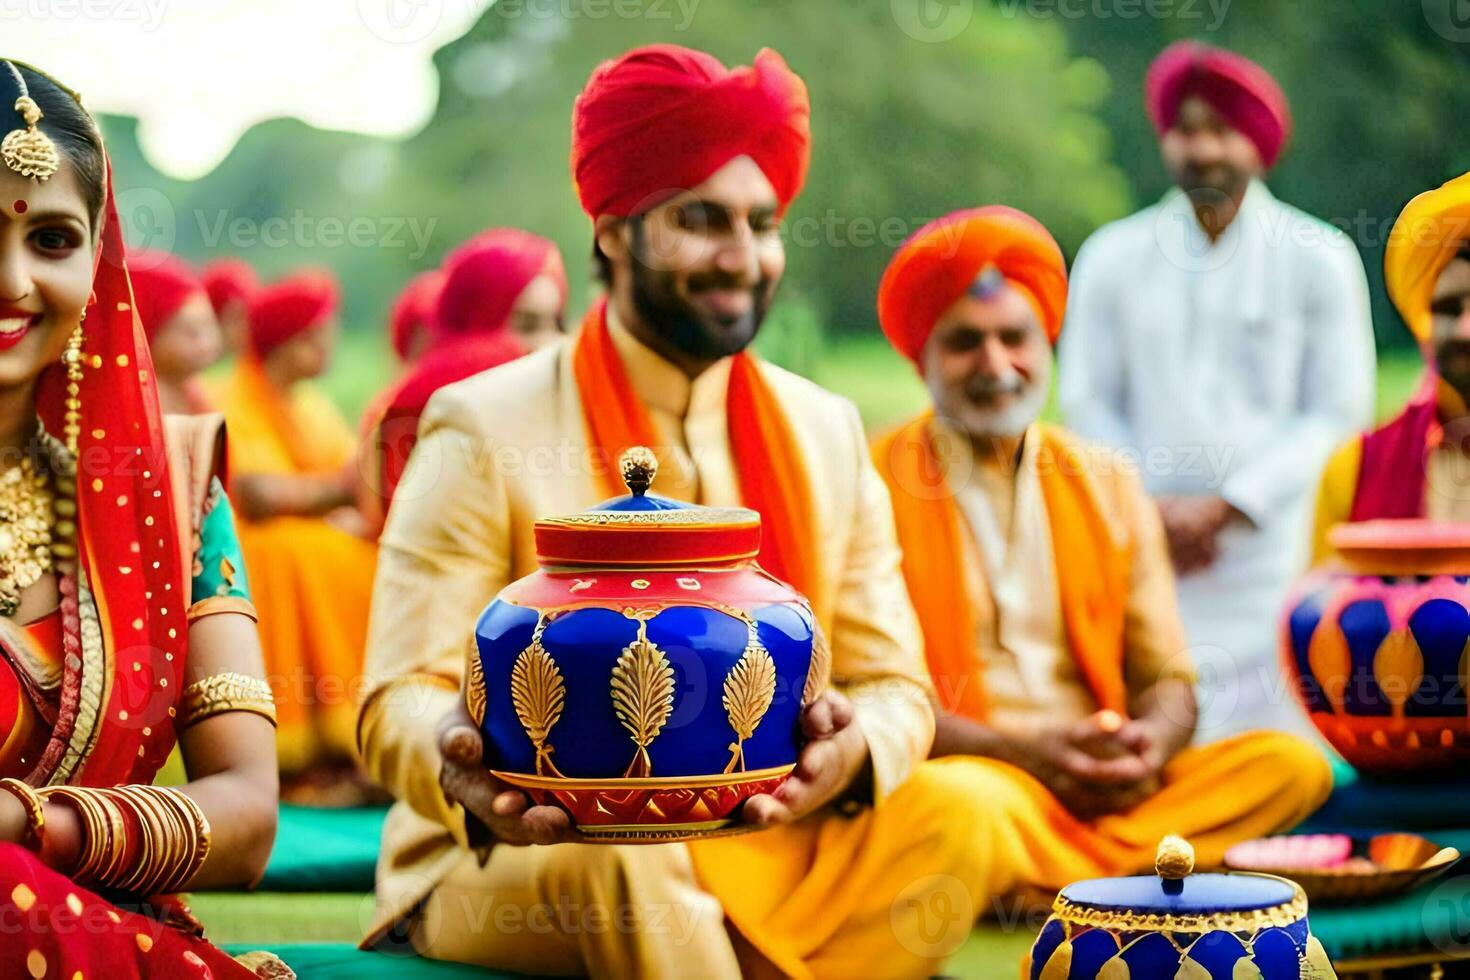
[(506, 447)]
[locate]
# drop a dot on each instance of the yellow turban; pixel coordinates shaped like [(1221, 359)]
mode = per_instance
[(1432, 229)]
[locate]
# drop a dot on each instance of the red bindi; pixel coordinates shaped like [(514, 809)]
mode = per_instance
[(21, 207)]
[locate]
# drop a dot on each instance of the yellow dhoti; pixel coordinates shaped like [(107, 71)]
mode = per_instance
[(828, 897)]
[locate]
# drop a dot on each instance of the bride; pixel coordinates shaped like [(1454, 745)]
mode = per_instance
[(125, 619)]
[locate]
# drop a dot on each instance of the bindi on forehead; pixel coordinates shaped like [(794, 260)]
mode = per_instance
[(20, 207)]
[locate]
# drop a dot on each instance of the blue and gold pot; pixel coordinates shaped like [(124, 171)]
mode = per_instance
[(649, 678), (1377, 642), (1179, 926)]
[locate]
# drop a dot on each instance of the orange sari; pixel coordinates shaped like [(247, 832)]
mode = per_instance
[(311, 582)]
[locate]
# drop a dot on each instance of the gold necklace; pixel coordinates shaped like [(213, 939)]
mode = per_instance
[(27, 510)]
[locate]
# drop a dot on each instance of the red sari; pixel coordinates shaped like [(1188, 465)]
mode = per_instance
[(123, 637)]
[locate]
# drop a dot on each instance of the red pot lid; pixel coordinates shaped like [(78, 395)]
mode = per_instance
[(643, 529)]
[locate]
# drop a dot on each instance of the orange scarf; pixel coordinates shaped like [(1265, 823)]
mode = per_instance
[(771, 470), (1092, 568)]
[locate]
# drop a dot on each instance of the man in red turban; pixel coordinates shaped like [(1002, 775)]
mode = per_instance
[(183, 333), (1223, 339), (499, 295), (409, 321), (685, 168), (230, 283), (1040, 575), (294, 480)]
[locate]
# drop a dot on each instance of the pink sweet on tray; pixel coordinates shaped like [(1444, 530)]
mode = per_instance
[(1303, 852)]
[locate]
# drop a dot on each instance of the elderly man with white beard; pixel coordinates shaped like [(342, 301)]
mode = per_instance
[(1040, 573)]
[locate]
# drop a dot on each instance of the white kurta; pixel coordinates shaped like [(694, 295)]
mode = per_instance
[(1230, 369)]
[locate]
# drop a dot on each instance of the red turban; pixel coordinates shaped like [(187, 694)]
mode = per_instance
[(1234, 86), (291, 307), (413, 311), (162, 284), (941, 261), (485, 275), (663, 118), (228, 281)]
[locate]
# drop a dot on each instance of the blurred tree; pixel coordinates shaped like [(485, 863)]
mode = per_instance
[(1034, 103)]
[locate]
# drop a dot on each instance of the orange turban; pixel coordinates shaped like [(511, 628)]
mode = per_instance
[(1237, 88), (1431, 231), (941, 261), (663, 118), (291, 307)]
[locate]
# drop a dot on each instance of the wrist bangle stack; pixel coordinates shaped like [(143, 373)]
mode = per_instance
[(145, 840)]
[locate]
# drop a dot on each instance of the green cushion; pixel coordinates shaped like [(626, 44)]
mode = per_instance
[(321, 850), (324, 961), (283, 917)]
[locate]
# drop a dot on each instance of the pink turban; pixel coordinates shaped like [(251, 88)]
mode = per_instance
[(1234, 86), (485, 275)]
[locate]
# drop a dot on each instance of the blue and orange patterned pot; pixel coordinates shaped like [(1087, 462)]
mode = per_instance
[(649, 678), (1237, 926), (1377, 645)]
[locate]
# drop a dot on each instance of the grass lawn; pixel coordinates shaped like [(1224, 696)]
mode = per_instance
[(865, 369)]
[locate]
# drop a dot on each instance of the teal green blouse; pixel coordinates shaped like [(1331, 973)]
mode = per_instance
[(219, 565)]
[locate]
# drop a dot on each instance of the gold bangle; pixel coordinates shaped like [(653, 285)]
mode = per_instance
[(219, 693), (35, 809), (93, 828), (215, 604)]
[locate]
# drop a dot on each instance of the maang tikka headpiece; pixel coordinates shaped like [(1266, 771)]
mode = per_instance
[(28, 151)]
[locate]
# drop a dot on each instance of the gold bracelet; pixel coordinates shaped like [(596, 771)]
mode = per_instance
[(219, 693), (35, 809)]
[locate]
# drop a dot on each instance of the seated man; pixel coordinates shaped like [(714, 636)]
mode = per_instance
[(867, 861), (1041, 576), (1413, 465)]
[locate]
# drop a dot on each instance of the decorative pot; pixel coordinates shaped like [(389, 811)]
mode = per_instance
[(1237, 926), (1376, 645), (650, 676)]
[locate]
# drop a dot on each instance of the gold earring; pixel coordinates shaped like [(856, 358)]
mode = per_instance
[(72, 358)]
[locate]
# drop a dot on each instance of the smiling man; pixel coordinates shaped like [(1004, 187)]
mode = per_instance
[(685, 167), (1223, 338), (1039, 571)]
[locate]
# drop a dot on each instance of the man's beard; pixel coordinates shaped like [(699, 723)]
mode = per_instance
[(1219, 182), (1028, 398), (682, 325), (1452, 361)]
